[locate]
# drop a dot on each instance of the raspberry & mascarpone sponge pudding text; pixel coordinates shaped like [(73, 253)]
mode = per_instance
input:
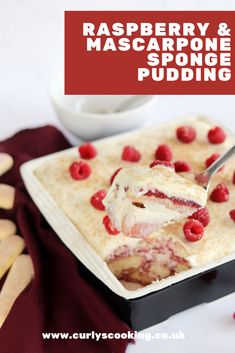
[(128, 198)]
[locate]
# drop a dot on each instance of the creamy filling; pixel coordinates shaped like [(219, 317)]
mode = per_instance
[(142, 200)]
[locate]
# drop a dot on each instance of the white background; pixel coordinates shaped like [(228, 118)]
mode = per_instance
[(31, 50)]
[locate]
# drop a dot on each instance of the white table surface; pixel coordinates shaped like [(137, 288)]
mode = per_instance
[(31, 50)]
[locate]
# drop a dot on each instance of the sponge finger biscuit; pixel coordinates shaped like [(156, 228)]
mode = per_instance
[(7, 228), (7, 196), (10, 248), (6, 162), (19, 276)]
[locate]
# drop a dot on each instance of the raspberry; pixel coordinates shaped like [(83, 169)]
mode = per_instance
[(80, 170), (163, 153), (234, 178), (164, 163), (97, 200), (212, 159), (220, 193), (114, 174), (216, 135), (87, 151), (232, 215), (202, 215), (108, 226), (181, 166), (186, 134), (130, 154), (193, 230), (234, 315)]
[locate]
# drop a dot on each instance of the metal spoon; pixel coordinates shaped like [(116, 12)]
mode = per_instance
[(204, 178)]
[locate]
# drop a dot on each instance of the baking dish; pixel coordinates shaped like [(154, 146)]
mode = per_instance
[(133, 302)]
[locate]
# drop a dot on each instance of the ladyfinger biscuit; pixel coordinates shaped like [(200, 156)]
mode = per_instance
[(7, 228), (19, 276), (10, 248), (7, 196), (6, 162)]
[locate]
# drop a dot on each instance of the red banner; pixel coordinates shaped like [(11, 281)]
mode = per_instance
[(149, 52)]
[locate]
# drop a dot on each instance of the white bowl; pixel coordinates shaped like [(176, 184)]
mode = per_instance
[(94, 116)]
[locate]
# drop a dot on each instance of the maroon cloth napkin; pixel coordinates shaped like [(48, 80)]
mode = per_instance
[(58, 299)]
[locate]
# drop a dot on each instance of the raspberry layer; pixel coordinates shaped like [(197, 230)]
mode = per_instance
[(175, 200)]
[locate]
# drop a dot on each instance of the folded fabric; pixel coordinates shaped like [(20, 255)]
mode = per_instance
[(58, 299)]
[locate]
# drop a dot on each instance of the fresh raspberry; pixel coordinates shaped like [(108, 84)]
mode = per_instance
[(109, 227), (97, 200), (193, 230), (87, 151), (130, 154), (186, 134), (164, 163), (202, 215), (212, 159), (80, 170), (164, 153), (220, 193), (232, 215), (234, 315), (234, 178), (114, 174), (216, 135), (181, 166)]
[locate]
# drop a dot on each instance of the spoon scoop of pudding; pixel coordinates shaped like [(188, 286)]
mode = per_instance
[(142, 200)]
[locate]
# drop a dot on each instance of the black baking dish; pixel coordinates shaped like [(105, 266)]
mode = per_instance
[(142, 312)]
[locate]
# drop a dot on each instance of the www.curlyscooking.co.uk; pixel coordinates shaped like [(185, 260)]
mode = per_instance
[(130, 335)]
